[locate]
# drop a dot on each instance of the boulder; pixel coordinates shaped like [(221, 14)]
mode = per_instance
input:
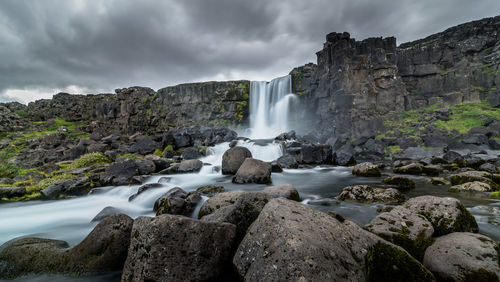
[(144, 188), (464, 256), (446, 214), (185, 166), (343, 158), (491, 168), (471, 176), (72, 187), (285, 191), (234, 158), (476, 139), (106, 212), (145, 166), (143, 145), (190, 153), (401, 182), (103, 250), (413, 168), (316, 154), (276, 167), (253, 171), (367, 194), (9, 192), (439, 181), (174, 248), (288, 161), (293, 242), (409, 230), (177, 201), (210, 190), (120, 173), (474, 186), (366, 169)]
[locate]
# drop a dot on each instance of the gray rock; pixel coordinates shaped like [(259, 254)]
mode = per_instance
[(177, 201), (446, 214), (290, 241), (409, 230), (401, 182), (73, 187), (9, 192), (144, 188), (190, 153), (210, 190), (463, 256), (120, 173), (474, 186), (234, 158), (471, 176), (143, 145), (288, 161), (284, 191), (103, 250), (476, 139), (145, 166), (190, 166), (253, 171), (173, 248), (367, 194), (106, 212), (366, 169)]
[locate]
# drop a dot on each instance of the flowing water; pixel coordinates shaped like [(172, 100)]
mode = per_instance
[(271, 104)]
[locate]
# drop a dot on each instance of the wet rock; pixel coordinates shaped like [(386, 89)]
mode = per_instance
[(145, 166), (253, 171), (446, 214), (463, 256), (73, 187), (173, 248), (106, 212), (404, 228), (145, 188), (210, 190), (471, 176), (291, 135), (413, 168), (401, 182), (160, 163), (164, 180), (367, 194), (439, 181), (290, 241), (9, 192), (276, 167), (474, 186), (120, 173), (185, 166), (316, 154), (491, 168), (366, 169), (453, 157), (177, 201), (234, 158), (285, 191), (343, 158), (288, 161), (103, 250)]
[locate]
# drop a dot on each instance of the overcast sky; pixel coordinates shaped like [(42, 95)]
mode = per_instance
[(78, 46)]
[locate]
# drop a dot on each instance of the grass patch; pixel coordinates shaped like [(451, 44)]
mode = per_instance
[(468, 115), (129, 156), (393, 149), (89, 160)]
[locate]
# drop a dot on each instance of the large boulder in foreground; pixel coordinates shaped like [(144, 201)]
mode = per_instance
[(293, 242), (409, 230), (103, 250), (366, 169), (464, 256), (367, 194), (253, 171), (175, 248), (234, 158), (446, 214)]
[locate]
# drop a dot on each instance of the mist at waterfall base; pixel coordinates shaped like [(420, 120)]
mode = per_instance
[(273, 110)]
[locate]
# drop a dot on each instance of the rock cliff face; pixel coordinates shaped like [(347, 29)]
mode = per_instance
[(355, 83), (142, 109)]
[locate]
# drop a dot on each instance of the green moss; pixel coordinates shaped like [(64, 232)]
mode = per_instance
[(21, 113), (448, 72), (415, 247), (468, 115), (495, 194), (89, 159), (393, 149), (129, 156), (482, 275), (387, 263)]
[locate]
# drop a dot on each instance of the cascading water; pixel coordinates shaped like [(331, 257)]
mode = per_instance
[(270, 107)]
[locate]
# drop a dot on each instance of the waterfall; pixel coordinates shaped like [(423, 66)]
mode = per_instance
[(271, 104)]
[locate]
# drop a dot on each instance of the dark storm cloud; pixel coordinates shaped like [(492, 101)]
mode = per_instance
[(92, 46)]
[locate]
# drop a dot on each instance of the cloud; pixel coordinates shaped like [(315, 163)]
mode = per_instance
[(101, 45)]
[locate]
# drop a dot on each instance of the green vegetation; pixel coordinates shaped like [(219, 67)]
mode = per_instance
[(22, 113), (89, 160), (448, 72), (394, 149), (161, 153), (129, 156), (495, 194), (468, 115)]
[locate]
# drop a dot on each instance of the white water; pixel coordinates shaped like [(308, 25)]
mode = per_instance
[(271, 106)]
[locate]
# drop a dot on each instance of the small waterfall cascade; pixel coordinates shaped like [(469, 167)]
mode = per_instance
[(271, 105)]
